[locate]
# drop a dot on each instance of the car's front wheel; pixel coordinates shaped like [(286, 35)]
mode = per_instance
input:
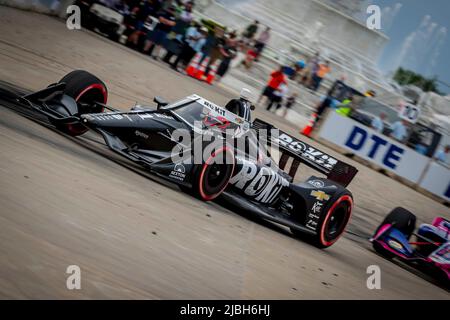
[(212, 176), (86, 89), (401, 219)]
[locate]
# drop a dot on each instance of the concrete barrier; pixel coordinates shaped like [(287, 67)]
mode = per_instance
[(437, 180)]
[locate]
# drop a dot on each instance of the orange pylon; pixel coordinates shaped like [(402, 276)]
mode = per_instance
[(193, 64), (310, 126), (212, 72), (201, 70)]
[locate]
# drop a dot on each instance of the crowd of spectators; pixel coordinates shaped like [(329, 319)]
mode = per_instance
[(155, 24), (152, 25)]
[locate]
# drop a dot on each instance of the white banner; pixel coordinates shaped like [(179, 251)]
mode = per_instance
[(437, 180), (370, 145)]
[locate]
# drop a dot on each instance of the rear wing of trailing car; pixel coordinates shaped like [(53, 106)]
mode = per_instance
[(301, 152)]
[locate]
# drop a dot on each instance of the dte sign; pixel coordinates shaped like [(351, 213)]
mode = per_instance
[(376, 148), (360, 138)]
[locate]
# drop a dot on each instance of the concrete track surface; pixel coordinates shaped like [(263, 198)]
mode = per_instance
[(68, 201)]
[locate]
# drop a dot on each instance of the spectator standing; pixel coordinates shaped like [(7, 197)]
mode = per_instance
[(140, 13), (250, 56), (277, 77), (290, 101), (240, 55), (378, 122), (311, 69), (298, 67), (157, 37), (442, 155), (193, 43), (186, 14), (399, 131), (324, 103), (262, 41), (322, 70), (178, 32), (229, 52), (277, 97), (213, 47), (250, 31), (345, 108)]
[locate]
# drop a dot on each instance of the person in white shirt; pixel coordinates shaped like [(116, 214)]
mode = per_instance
[(378, 122), (399, 131), (262, 41)]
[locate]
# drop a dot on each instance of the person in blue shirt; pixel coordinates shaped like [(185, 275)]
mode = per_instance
[(442, 155), (194, 41), (399, 131), (378, 122)]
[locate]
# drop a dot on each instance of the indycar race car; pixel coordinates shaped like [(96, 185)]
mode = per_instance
[(430, 252), (165, 140), (102, 17)]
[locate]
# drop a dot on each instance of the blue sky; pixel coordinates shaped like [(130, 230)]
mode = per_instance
[(416, 47)]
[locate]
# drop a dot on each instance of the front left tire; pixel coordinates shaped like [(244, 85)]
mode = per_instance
[(86, 89), (212, 176)]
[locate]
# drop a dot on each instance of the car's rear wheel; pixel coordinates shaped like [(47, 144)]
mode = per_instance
[(86, 89), (211, 178), (332, 224)]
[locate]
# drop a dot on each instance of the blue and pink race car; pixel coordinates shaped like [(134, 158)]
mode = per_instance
[(430, 250)]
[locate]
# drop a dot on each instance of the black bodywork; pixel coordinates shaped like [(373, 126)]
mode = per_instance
[(263, 185)]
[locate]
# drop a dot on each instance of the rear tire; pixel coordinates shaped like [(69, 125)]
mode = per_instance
[(86, 89), (332, 224)]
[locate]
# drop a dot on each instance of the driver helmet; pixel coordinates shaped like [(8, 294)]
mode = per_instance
[(246, 95)]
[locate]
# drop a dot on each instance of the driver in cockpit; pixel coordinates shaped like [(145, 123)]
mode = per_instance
[(242, 106)]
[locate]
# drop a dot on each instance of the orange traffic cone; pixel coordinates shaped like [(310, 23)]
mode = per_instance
[(193, 64), (212, 72), (310, 126), (201, 70)]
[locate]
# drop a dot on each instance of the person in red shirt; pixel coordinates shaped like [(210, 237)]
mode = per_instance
[(277, 77)]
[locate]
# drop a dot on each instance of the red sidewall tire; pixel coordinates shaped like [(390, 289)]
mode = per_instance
[(324, 242), (205, 194), (85, 87), (82, 86)]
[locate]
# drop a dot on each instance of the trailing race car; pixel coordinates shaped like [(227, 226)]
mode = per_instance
[(316, 210), (430, 252), (103, 17)]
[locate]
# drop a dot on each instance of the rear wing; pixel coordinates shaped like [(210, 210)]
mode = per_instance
[(301, 152)]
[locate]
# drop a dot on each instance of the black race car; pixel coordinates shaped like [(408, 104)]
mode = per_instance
[(235, 160)]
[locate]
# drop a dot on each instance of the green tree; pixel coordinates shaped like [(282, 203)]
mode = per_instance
[(405, 77)]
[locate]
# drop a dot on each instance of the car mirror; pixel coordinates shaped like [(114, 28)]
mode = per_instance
[(160, 102), (252, 107)]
